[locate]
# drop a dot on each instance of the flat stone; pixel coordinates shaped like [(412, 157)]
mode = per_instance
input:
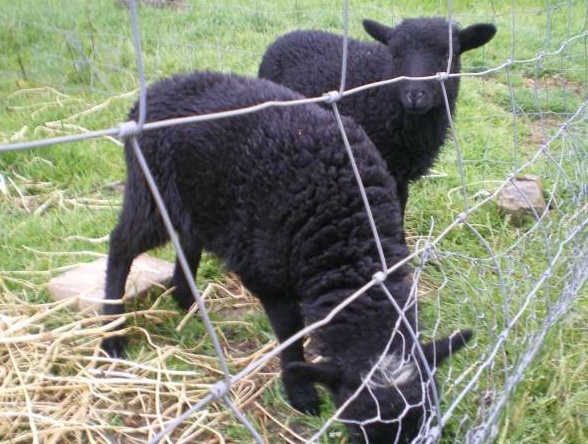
[(86, 281), (522, 196)]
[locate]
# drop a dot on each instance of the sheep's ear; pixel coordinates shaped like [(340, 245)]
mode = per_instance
[(377, 30), (437, 351), (476, 35), (324, 373)]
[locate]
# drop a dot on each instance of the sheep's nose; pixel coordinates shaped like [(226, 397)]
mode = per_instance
[(414, 96), (417, 101)]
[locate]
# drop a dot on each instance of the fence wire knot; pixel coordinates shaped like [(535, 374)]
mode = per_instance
[(332, 97), (219, 389), (442, 76), (128, 128), (427, 251), (379, 277)]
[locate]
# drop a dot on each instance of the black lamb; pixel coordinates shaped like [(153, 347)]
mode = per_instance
[(273, 194), (407, 121)]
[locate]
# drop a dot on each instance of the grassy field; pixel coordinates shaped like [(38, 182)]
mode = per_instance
[(69, 67)]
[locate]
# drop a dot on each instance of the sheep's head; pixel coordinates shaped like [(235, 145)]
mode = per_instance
[(395, 403), (420, 48)]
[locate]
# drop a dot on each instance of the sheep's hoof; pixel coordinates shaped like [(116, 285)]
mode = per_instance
[(184, 300), (302, 395), (114, 346), (305, 399)]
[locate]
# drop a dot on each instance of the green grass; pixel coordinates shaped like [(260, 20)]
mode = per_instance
[(68, 67)]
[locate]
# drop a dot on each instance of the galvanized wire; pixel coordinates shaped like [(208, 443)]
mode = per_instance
[(484, 429)]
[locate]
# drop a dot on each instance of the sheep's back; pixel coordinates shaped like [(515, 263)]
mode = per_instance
[(310, 62), (271, 192)]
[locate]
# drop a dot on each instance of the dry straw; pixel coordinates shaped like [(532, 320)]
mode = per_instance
[(57, 387)]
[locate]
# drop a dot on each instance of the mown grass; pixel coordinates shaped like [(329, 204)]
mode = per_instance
[(68, 67)]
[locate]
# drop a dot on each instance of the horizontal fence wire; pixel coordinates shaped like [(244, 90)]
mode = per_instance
[(565, 261)]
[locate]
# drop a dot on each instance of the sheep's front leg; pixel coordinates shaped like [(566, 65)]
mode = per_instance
[(286, 320)]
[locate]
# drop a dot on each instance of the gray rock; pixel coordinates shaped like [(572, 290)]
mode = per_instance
[(522, 197), (86, 281)]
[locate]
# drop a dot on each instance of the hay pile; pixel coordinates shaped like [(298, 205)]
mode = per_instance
[(57, 387)]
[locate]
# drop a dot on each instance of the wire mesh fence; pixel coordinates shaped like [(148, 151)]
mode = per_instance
[(509, 277)]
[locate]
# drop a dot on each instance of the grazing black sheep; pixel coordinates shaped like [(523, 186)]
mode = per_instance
[(407, 121), (273, 194)]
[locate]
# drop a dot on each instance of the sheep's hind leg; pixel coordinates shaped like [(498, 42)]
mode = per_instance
[(286, 320), (192, 249), (129, 239)]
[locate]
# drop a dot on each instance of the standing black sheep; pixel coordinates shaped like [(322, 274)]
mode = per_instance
[(407, 121), (273, 194)]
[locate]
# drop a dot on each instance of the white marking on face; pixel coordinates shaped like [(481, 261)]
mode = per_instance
[(392, 371)]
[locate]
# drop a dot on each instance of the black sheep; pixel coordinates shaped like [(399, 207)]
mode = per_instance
[(273, 194), (407, 121)]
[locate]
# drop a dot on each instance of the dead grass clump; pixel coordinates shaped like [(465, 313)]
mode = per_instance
[(56, 385)]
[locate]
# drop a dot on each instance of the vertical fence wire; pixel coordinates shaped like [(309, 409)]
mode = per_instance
[(221, 389)]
